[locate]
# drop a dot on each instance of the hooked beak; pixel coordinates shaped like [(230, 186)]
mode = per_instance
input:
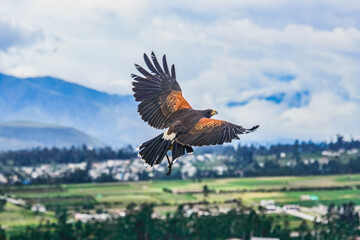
[(214, 112)]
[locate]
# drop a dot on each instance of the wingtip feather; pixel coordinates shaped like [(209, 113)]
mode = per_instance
[(252, 129), (173, 74)]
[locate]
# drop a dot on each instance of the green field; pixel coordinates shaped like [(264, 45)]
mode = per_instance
[(17, 216), (111, 196)]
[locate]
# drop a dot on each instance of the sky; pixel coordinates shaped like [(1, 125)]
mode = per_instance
[(291, 66)]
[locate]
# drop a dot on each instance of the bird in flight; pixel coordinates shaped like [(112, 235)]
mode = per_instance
[(163, 106)]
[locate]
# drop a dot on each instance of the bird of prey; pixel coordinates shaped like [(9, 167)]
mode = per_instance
[(163, 106)]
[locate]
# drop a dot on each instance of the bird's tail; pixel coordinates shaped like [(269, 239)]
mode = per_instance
[(178, 150), (153, 151)]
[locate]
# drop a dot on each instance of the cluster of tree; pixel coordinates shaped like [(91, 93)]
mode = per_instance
[(241, 161), (2, 204), (273, 168), (242, 154), (76, 176), (45, 155), (235, 169), (309, 147), (295, 149), (333, 167), (341, 222), (139, 223)]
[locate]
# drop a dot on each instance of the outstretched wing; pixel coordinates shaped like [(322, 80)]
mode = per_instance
[(211, 132), (158, 92)]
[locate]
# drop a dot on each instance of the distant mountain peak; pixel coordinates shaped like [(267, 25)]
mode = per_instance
[(111, 118), (27, 134), (30, 124)]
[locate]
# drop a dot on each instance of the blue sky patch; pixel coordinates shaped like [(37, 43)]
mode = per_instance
[(281, 77), (293, 100), (276, 98), (299, 99), (236, 104)]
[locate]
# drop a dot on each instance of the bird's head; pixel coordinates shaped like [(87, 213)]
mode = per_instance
[(210, 112)]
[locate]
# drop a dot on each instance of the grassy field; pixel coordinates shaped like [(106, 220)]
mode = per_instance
[(152, 191), (110, 196), (17, 216)]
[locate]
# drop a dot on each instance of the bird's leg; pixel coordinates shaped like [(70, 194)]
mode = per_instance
[(170, 165), (167, 158)]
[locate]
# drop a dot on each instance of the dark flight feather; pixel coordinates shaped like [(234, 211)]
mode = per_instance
[(173, 74), (157, 65), (166, 69), (212, 132), (154, 89)]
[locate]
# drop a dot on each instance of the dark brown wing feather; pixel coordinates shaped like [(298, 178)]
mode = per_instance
[(158, 92), (211, 132)]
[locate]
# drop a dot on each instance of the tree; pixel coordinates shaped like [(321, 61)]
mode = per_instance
[(2, 234), (303, 230), (64, 230), (244, 156), (206, 191), (296, 151), (2, 204)]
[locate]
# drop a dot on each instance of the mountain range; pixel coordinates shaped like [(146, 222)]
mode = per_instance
[(112, 119), (24, 135)]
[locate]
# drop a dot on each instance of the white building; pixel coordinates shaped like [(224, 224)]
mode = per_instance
[(188, 170), (220, 169), (3, 178), (263, 238), (268, 204), (38, 207), (291, 207), (88, 217)]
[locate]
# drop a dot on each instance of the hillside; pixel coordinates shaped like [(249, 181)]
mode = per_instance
[(110, 118), (19, 135)]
